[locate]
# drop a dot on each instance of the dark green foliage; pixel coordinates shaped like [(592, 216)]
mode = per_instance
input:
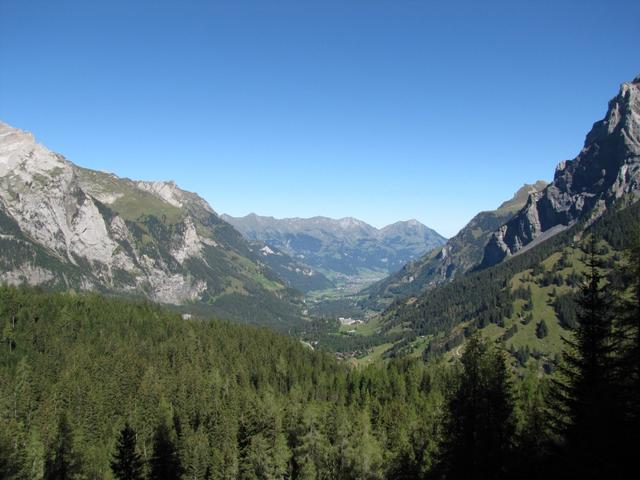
[(224, 391), (541, 329), (164, 463), (551, 278), (565, 308), (527, 319), (513, 329), (538, 269), (573, 279), (480, 426), (482, 297), (126, 463), (62, 462), (628, 335), (563, 262), (522, 355), (12, 456), (586, 398)]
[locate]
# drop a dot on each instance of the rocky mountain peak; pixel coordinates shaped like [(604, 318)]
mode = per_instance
[(167, 191), (350, 222), (21, 156), (622, 119), (65, 226), (606, 169)]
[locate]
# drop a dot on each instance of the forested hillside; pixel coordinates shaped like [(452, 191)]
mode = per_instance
[(238, 402), (456, 257), (525, 302), (100, 388)]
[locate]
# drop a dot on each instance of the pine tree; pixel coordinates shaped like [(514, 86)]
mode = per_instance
[(629, 336), (62, 462), (541, 329), (480, 425), (12, 454), (585, 401), (164, 463), (126, 463)]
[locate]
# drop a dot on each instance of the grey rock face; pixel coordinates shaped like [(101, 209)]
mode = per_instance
[(63, 225), (606, 170)]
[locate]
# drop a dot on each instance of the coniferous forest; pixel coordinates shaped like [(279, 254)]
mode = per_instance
[(319, 240), (96, 387)]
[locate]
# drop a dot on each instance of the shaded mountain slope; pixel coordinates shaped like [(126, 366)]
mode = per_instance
[(458, 255)]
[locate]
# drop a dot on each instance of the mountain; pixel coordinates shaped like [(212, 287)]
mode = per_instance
[(63, 226), (456, 257), (295, 274), (344, 247), (531, 265), (605, 171)]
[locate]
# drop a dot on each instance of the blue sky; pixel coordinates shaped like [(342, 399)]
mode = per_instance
[(382, 110)]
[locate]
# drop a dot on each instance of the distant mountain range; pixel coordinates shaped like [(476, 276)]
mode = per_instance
[(63, 226), (344, 247), (67, 227)]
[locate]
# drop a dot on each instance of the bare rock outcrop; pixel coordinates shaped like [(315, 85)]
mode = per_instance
[(605, 171)]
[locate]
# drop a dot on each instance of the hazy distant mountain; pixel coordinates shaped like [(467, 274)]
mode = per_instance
[(294, 273), (64, 226), (341, 247), (458, 255)]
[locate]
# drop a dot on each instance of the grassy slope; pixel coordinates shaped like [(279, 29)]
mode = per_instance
[(613, 228)]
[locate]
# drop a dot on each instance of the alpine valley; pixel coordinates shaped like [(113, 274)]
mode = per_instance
[(512, 274), (506, 352), (67, 227)]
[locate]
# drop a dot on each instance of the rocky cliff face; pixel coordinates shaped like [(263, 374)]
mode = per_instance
[(606, 170), (66, 226)]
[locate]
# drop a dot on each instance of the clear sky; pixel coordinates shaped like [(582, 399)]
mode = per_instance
[(381, 110)]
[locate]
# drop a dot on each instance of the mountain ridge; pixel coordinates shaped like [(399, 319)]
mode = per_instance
[(66, 226), (457, 256), (345, 246), (606, 169)]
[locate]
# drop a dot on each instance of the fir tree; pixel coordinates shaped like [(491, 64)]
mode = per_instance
[(480, 424), (541, 329), (165, 463), (629, 337), (585, 405), (126, 463), (62, 462), (12, 455)]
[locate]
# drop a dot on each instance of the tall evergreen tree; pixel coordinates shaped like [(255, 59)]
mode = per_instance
[(62, 462), (126, 463), (12, 455), (629, 336), (585, 401), (165, 462), (480, 423)]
